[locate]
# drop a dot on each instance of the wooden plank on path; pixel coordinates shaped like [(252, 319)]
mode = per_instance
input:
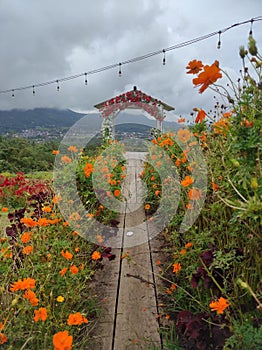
[(129, 317)]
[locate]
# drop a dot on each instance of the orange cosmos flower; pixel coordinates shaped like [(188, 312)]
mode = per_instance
[(26, 283), (74, 269), (62, 341), (27, 250), (40, 314), (56, 199), (67, 255), (55, 152), (208, 76), (88, 169), (66, 159), (183, 251), (96, 255), (176, 267), (200, 116), (188, 180), (188, 245), (219, 306), (74, 216), (117, 193), (26, 236), (194, 194), (76, 319), (215, 187), (47, 209), (147, 206), (194, 67), (72, 149), (63, 271), (4, 209), (3, 338), (28, 222), (184, 135), (30, 295)]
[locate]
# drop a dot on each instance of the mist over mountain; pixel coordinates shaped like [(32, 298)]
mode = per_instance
[(16, 121)]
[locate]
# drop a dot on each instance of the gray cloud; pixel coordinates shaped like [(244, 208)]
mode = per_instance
[(42, 40)]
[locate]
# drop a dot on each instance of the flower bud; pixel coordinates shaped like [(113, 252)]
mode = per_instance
[(242, 52), (254, 183), (252, 47)]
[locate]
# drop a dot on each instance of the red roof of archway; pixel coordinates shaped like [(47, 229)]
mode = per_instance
[(133, 96)]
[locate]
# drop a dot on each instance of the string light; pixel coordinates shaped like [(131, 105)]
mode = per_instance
[(139, 58), (164, 57), (219, 40), (119, 70), (251, 27)]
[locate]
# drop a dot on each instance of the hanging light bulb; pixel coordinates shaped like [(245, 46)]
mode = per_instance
[(219, 40), (13, 93), (164, 57), (119, 71), (85, 78), (33, 90), (58, 87), (251, 27)]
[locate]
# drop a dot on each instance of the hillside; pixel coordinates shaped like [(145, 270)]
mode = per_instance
[(16, 121)]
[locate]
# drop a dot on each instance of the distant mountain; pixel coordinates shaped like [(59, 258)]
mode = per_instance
[(47, 119), (17, 120)]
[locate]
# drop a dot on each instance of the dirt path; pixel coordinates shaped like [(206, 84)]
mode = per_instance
[(129, 315)]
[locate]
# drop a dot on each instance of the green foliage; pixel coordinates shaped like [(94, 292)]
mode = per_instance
[(22, 155)]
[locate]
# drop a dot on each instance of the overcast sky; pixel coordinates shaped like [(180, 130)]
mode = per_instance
[(42, 40)]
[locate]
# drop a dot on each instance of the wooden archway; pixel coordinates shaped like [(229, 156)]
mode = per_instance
[(134, 99)]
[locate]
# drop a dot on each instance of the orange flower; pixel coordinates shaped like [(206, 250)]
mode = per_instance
[(56, 199), (147, 206), (188, 180), (62, 341), (183, 251), (27, 250), (3, 338), (40, 314), (200, 116), (178, 162), (157, 192), (74, 269), (67, 255), (76, 319), (117, 193), (194, 67), (173, 286), (26, 236), (72, 149), (66, 159), (4, 209), (188, 245), (55, 152), (184, 135), (189, 206), (47, 209), (194, 194), (176, 267), (208, 76), (215, 187), (96, 255), (28, 222), (26, 283), (30, 295), (219, 306), (88, 169), (74, 216), (63, 271)]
